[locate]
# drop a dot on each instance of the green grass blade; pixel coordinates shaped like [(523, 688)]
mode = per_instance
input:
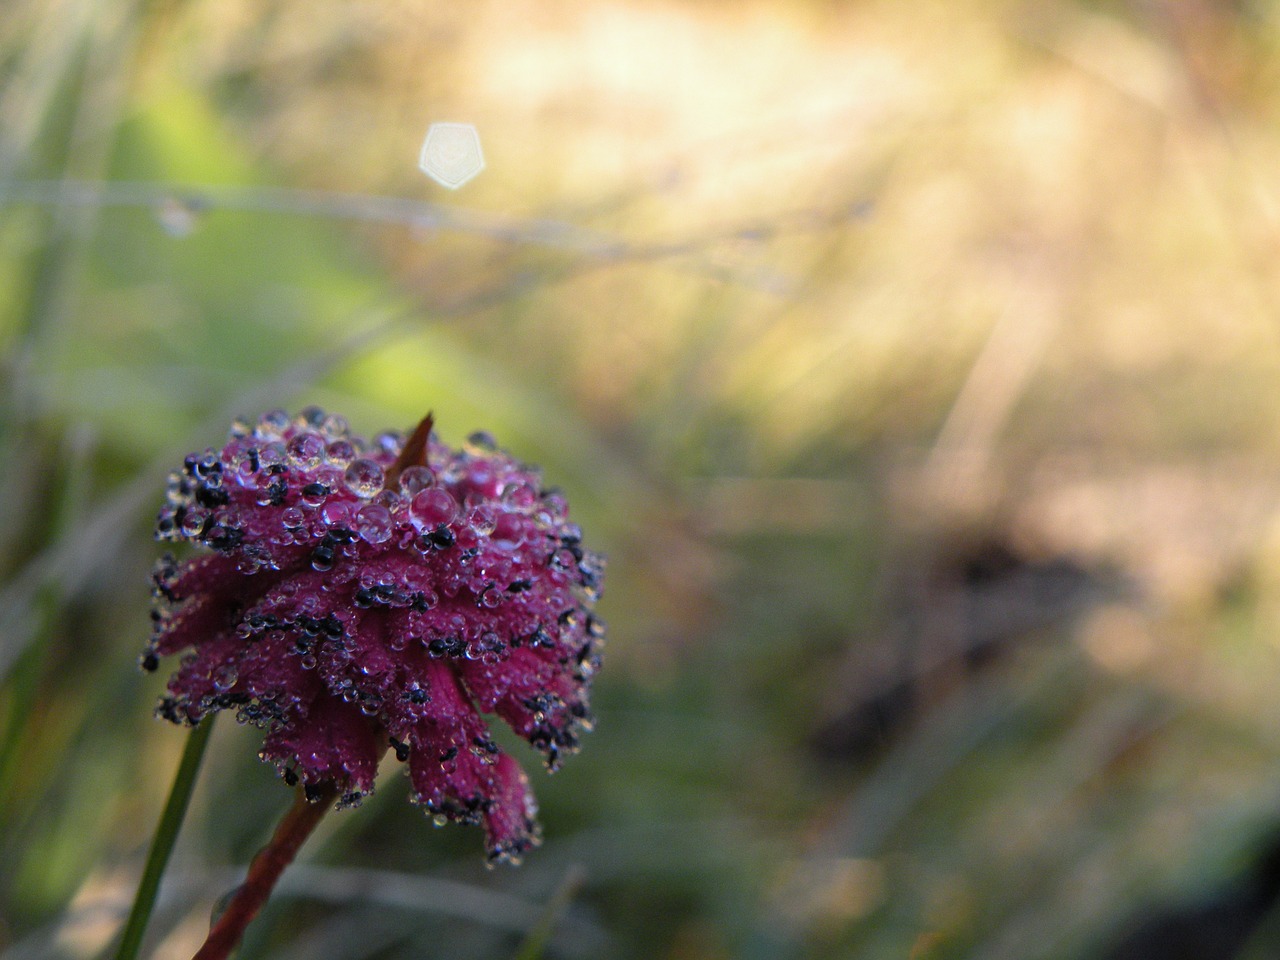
[(175, 809)]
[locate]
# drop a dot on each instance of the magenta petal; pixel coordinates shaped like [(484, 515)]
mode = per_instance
[(205, 575), (191, 624), (538, 699), (510, 822), (449, 750), (333, 743)]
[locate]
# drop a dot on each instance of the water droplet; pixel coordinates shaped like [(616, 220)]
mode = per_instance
[(389, 499), (556, 507), (247, 468), (415, 578), (292, 518), (272, 454), (481, 443), (272, 425), (373, 523), (364, 478), (439, 819), (193, 522), (483, 479), (339, 513), (340, 453), (389, 441), (313, 494), (335, 426), (311, 417), (483, 519), (491, 648), (240, 427), (508, 532), (305, 450), (431, 508), (519, 495), (174, 492), (415, 479)]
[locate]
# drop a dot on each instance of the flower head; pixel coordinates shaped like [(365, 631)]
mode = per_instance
[(361, 595)]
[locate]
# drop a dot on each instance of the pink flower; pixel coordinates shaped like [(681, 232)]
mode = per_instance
[(359, 595)]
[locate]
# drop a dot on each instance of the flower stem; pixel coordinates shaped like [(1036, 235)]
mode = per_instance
[(264, 871), (175, 809)]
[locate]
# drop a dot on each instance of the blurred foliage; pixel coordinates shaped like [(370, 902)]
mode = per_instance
[(917, 365)]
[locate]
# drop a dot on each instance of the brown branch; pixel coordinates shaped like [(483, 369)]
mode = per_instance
[(264, 871)]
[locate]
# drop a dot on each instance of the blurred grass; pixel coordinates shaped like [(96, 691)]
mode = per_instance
[(793, 299)]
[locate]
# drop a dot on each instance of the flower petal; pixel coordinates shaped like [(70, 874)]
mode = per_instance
[(334, 742)]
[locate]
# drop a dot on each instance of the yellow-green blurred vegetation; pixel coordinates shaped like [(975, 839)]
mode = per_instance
[(917, 365)]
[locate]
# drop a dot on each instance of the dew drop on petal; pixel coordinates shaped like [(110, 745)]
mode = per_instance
[(373, 523), (309, 418), (305, 450), (480, 443), (416, 577), (340, 453), (173, 491), (272, 454), (389, 499), (556, 507), (430, 508), (272, 425), (483, 519), (415, 479), (193, 522), (335, 426), (483, 480), (466, 538), (508, 532), (519, 495), (247, 468), (389, 441), (338, 513), (313, 494), (364, 478)]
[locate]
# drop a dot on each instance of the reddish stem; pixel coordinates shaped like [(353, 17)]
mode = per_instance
[(264, 871)]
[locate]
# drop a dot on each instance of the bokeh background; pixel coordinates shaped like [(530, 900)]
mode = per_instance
[(917, 365)]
